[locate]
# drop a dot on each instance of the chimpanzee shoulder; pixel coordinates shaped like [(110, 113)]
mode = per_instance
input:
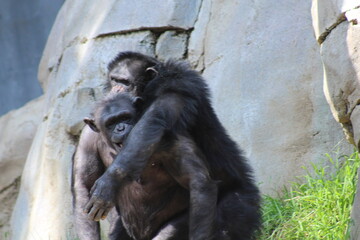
[(175, 76)]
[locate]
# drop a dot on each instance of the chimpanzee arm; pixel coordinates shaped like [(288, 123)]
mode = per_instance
[(165, 113), (87, 167), (190, 170), (162, 115)]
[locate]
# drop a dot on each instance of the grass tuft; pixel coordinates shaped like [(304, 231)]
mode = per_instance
[(318, 208)]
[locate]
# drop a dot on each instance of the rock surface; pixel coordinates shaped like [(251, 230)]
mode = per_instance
[(266, 85), (260, 58), (171, 45), (18, 128), (337, 30)]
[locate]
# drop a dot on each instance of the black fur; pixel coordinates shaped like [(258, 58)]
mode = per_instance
[(174, 177), (177, 101)]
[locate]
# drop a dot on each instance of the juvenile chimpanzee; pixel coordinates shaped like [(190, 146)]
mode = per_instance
[(156, 205), (177, 101)]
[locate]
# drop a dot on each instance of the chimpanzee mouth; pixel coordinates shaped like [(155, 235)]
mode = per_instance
[(117, 142), (118, 146)]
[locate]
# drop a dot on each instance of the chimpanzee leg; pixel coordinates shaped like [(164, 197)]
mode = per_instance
[(190, 170), (117, 230), (231, 215), (87, 167), (176, 229), (237, 216)]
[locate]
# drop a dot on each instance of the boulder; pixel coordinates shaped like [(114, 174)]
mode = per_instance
[(336, 27), (264, 69), (112, 19), (18, 128)]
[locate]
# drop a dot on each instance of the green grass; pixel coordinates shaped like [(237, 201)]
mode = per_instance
[(318, 208)]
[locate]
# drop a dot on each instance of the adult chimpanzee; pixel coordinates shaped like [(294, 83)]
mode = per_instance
[(156, 204), (177, 101)]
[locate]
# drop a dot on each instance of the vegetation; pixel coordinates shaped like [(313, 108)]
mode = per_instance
[(317, 208)]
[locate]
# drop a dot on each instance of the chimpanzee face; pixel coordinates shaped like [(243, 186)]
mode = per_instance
[(130, 76), (122, 76), (117, 123), (114, 118)]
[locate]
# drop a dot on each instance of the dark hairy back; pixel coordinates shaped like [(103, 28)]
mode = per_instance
[(200, 121)]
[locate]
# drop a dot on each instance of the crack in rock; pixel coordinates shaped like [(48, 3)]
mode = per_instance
[(14, 183), (323, 36), (341, 18), (152, 29), (157, 31)]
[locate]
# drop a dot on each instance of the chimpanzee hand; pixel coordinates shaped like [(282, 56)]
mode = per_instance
[(102, 199)]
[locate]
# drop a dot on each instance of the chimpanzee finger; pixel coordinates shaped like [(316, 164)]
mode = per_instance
[(92, 189), (99, 214), (93, 212), (89, 205), (106, 212)]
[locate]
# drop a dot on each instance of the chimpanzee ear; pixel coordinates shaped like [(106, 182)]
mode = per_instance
[(91, 123), (138, 102), (151, 73)]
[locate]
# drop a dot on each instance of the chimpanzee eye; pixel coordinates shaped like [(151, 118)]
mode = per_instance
[(111, 124), (121, 81)]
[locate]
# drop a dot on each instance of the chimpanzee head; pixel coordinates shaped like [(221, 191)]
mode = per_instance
[(114, 117), (130, 72)]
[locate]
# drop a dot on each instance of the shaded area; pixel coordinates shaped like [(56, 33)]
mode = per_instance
[(24, 28)]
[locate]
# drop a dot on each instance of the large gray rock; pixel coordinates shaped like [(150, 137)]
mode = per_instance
[(112, 19), (335, 24), (265, 73), (18, 128), (260, 59)]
